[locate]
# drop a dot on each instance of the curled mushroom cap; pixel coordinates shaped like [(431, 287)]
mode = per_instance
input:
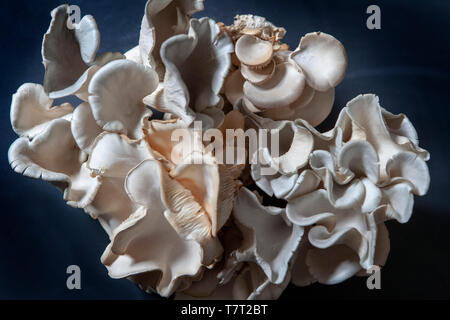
[(32, 110), (283, 88), (196, 67), (322, 59), (253, 51), (67, 53), (162, 20), (118, 112), (53, 156), (261, 225)]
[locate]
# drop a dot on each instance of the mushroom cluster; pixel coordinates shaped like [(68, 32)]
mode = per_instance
[(181, 221)]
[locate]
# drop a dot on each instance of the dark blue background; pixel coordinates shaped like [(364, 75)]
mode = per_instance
[(406, 63)]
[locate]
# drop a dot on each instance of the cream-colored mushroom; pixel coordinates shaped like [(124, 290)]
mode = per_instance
[(193, 79), (53, 156), (162, 20), (118, 112), (283, 88), (253, 51), (260, 75), (32, 110), (67, 52), (323, 60)]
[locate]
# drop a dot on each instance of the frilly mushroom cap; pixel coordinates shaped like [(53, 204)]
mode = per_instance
[(67, 54), (253, 51), (323, 60), (53, 156), (162, 20), (115, 111), (32, 110), (193, 80), (283, 88), (261, 225), (173, 259)]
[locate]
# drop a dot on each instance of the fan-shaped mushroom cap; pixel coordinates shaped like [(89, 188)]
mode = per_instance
[(283, 88), (253, 51), (162, 20), (260, 75), (115, 111), (323, 60), (53, 156), (68, 53), (289, 112), (112, 157), (261, 225), (32, 110)]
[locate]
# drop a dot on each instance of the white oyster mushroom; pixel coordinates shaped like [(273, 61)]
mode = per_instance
[(261, 225), (162, 20), (69, 55), (178, 219), (32, 110), (173, 259), (323, 60), (253, 51), (196, 67), (350, 237), (283, 88), (116, 94), (53, 156)]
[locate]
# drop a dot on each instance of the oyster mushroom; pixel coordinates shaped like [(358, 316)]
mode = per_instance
[(162, 20), (253, 51), (53, 156), (117, 112), (69, 55), (283, 88), (194, 78), (322, 59), (32, 110)]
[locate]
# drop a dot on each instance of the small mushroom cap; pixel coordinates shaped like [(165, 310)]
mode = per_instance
[(253, 51), (32, 110), (323, 60), (283, 88), (258, 76), (84, 128), (117, 91)]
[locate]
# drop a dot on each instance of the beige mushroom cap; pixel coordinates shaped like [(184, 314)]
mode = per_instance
[(282, 89), (253, 51), (323, 60)]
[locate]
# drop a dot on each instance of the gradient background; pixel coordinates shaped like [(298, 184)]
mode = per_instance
[(406, 64)]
